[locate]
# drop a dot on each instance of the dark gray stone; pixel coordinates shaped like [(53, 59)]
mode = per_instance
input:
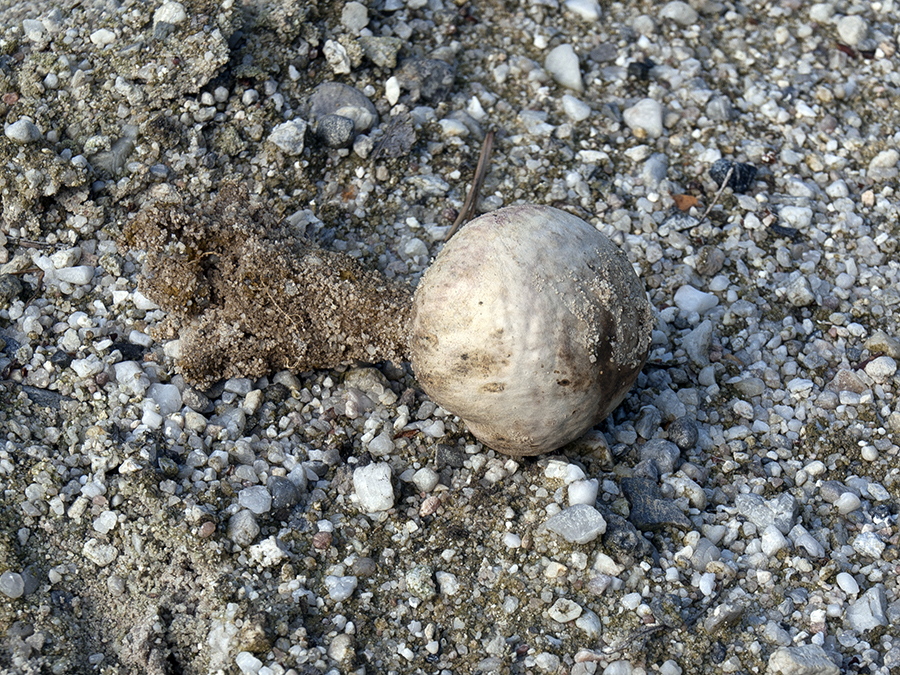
[(650, 511), (648, 422), (10, 287), (742, 175), (624, 542), (427, 79), (335, 131), (683, 432), (284, 493), (665, 454)]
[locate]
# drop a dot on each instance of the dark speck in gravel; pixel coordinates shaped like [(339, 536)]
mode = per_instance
[(742, 174)]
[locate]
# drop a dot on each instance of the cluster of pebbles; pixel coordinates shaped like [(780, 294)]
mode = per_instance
[(737, 514)]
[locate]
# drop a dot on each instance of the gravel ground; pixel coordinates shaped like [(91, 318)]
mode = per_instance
[(246, 511)]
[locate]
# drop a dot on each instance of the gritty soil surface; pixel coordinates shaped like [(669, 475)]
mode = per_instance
[(213, 456)]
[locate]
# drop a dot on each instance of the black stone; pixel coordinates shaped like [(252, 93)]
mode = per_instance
[(284, 493), (129, 352), (46, 398), (650, 511), (640, 70), (61, 359), (276, 393), (742, 175), (10, 287), (683, 432), (399, 138), (335, 131), (450, 455)]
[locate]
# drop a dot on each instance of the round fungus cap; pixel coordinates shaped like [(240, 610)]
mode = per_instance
[(531, 326)]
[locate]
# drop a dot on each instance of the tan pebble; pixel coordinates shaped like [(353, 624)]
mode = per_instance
[(429, 505), (321, 540)]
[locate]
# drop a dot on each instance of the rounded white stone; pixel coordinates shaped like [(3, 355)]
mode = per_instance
[(645, 118), (170, 12), (847, 503), (103, 37), (847, 583)]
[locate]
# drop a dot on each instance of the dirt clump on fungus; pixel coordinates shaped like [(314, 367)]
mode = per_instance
[(250, 295)]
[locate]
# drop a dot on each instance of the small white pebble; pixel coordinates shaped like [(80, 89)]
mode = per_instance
[(847, 502), (847, 583)]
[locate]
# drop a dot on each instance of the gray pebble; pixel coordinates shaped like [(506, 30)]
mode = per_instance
[(650, 511), (709, 260), (654, 170), (697, 343), (256, 498), (798, 292), (426, 79), (289, 136), (780, 511), (382, 51), (334, 98), (663, 453), (363, 567), (624, 542), (719, 109), (646, 468), (23, 131), (878, 343), (750, 386), (10, 287), (831, 490), (196, 401), (680, 12), (852, 30), (420, 583), (803, 659), (242, 528), (355, 16), (683, 432), (648, 422)]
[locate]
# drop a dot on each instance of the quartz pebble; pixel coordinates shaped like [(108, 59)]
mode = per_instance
[(589, 10), (563, 66), (23, 131), (373, 487), (340, 588), (578, 524), (801, 660), (679, 12), (689, 299), (852, 29), (290, 136), (12, 585), (645, 118), (847, 583)]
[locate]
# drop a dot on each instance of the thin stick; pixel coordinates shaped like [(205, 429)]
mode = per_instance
[(484, 160), (718, 194), (27, 243)]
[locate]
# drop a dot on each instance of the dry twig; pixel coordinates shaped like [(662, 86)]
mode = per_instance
[(484, 160)]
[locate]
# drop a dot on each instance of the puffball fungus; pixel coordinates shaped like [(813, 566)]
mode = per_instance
[(531, 326)]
